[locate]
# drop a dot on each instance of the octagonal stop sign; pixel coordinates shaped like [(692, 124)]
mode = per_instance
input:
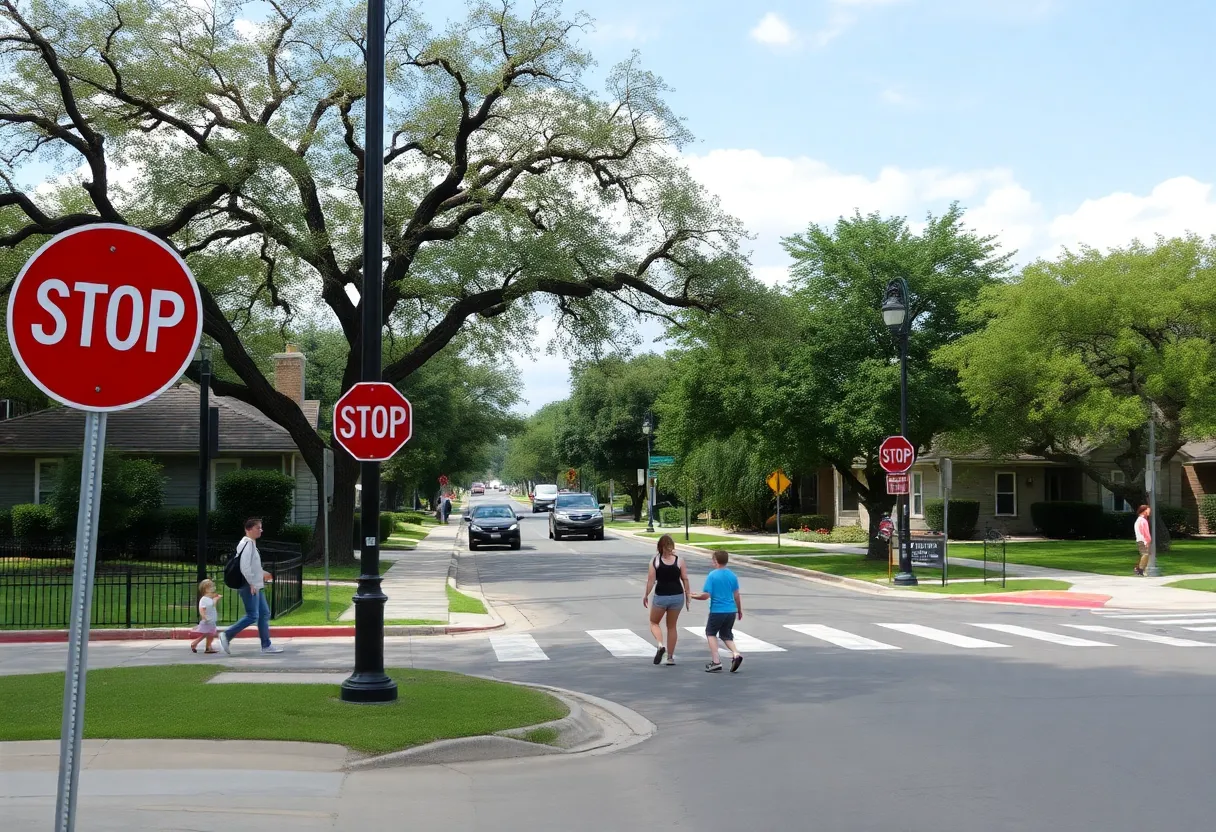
[(896, 454), (372, 421)]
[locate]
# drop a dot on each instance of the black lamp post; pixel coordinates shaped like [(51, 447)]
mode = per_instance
[(648, 429), (895, 316), (204, 456)]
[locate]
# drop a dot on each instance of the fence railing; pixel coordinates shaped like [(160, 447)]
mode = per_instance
[(156, 586)]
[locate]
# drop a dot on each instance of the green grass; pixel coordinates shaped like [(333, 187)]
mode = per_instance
[(693, 537), (629, 525), (931, 584), (1201, 584), (1106, 557), (411, 622), (856, 566), (459, 602), (771, 550), (542, 736), (340, 573), (312, 611), (174, 703)]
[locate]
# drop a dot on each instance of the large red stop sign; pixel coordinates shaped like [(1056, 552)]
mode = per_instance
[(896, 455), (104, 317), (372, 420)]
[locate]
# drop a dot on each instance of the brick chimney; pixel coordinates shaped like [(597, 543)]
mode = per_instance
[(289, 373)]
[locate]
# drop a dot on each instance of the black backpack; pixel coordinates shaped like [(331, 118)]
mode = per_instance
[(233, 577)]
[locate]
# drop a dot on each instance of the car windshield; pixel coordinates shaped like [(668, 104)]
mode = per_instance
[(576, 501), (546, 490), (484, 512)]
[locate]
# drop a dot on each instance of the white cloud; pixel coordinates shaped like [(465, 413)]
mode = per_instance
[(1172, 208), (246, 29), (773, 31)]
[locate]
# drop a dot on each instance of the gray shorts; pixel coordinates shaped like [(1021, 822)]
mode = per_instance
[(669, 602)]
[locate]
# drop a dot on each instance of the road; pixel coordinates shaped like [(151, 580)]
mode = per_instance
[(1050, 725)]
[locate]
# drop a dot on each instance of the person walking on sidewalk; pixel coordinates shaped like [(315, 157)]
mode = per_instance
[(1144, 537), (253, 594), (725, 606), (668, 576)]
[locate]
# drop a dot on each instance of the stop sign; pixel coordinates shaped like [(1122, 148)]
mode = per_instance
[(104, 317), (896, 455), (372, 420)]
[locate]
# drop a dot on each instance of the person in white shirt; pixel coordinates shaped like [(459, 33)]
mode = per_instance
[(252, 594), (207, 616), (1144, 537)]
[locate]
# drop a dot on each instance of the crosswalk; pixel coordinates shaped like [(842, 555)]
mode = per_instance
[(871, 636)]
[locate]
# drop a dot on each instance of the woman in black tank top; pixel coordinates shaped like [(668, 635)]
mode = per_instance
[(668, 577)]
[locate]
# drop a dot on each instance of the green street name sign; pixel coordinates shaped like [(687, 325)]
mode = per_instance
[(657, 461)]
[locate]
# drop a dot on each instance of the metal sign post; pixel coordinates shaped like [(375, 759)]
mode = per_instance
[(327, 493), (947, 475), (82, 605)]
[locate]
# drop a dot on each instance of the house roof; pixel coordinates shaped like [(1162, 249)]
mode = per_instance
[(1204, 451), (167, 424)]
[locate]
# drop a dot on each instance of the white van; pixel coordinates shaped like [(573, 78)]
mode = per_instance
[(543, 497)]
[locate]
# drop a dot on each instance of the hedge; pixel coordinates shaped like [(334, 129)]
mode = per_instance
[(840, 534), (132, 494), (34, 523), (388, 525), (1207, 510), (6, 524), (300, 534), (1177, 520), (964, 517), (1071, 519), (415, 517), (671, 516), (251, 492), (815, 522)]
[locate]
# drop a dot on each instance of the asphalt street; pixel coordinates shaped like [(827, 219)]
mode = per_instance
[(851, 712)]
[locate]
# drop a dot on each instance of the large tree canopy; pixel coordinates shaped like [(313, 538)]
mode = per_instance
[(1076, 353), (510, 187)]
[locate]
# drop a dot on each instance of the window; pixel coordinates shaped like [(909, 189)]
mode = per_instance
[(1112, 501), (219, 468), (1006, 494), (848, 497), (918, 494), (46, 475)]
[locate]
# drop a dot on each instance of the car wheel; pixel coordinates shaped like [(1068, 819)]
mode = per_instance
[(515, 544), (472, 546), (557, 535), (599, 535), (550, 532)]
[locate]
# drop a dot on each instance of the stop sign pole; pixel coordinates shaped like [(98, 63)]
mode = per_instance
[(102, 318), (369, 683)]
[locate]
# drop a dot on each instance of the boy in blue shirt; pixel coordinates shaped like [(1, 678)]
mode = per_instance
[(725, 606)]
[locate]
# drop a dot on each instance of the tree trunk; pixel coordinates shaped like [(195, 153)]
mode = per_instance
[(637, 497)]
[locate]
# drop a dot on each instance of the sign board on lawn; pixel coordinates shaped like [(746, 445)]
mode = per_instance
[(778, 481), (372, 421), (928, 551), (102, 318), (896, 455), (897, 483)]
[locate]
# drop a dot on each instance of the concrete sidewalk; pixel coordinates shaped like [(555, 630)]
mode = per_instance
[(416, 583)]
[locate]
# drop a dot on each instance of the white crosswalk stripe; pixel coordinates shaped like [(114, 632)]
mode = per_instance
[(840, 638), (1201, 629), (744, 642), (517, 647), (1043, 635), (1160, 616), (1136, 635), (944, 636), (1178, 621), (623, 643)]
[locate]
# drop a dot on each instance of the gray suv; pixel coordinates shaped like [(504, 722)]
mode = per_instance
[(576, 514)]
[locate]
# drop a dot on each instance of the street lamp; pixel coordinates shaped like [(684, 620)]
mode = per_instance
[(895, 316), (648, 429), (204, 456)]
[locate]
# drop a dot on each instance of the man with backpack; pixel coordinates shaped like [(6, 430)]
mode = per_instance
[(244, 572)]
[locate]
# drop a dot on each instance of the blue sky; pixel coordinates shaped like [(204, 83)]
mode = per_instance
[(1055, 122)]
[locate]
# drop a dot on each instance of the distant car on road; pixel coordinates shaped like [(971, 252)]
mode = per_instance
[(478, 488), (493, 524), (543, 497), (576, 514)]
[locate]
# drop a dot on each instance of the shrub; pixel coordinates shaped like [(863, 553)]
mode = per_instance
[(789, 522), (299, 534), (250, 492), (34, 523), (840, 534), (671, 516), (1176, 519), (143, 533), (1118, 525), (131, 491), (815, 521), (6, 524), (964, 516), (388, 525), (1070, 519), (415, 517), (181, 524), (1207, 510)]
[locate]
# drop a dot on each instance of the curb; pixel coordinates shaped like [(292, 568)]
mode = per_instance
[(579, 732), (183, 633)]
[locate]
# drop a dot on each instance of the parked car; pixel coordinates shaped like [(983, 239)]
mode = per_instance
[(543, 497), (478, 488), (493, 524), (576, 514)]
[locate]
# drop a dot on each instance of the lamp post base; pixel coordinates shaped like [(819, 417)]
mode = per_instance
[(1152, 571), (369, 689), (905, 579)]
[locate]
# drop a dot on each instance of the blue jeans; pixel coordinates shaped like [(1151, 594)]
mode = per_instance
[(257, 608)]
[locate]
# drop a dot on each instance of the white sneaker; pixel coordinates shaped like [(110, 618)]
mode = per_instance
[(224, 643), (274, 648)]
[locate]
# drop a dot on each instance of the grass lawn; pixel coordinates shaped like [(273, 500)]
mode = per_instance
[(150, 703), (1201, 584), (929, 584), (459, 602), (693, 537), (1106, 557), (312, 611), (340, 573), (629, 525), (856, 566), (769, 551)]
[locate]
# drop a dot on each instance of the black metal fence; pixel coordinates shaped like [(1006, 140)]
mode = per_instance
[(153, 587)]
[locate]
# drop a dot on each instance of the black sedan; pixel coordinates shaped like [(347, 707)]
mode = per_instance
[(576, 514), (493, 524)]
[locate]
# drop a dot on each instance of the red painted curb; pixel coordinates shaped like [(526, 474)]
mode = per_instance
[(1045, 598)]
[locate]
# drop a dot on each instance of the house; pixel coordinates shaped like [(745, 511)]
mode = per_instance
[(1198, 480), (1007, 487), (166, 429)]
